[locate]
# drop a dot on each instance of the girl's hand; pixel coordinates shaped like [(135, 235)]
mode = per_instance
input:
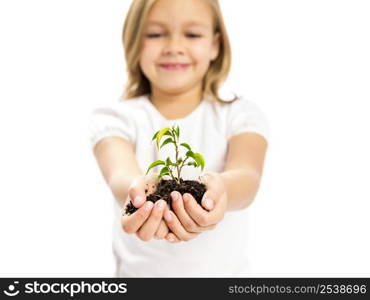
[(147, 222), (190, 218)]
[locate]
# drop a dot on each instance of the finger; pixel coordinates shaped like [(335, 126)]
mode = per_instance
[(131, 223), (197, 213), (207, 201), (212, 186), (186, 221), (208, 180), (151, 183), (172, 238), (148, 229), (202, 217), (162, 231), (217, 213), (136, 191), (175, 226)]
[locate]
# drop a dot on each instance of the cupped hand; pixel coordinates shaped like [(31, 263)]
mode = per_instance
[(147, 221), (189, 218)]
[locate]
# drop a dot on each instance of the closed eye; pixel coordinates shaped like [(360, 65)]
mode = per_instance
[(191, 35), (157, 35), (153, 35)]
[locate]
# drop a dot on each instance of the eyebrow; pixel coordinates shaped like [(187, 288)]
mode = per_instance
[(190, 23)]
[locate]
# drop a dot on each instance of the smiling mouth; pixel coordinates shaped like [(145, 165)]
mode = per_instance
[(174, 67)]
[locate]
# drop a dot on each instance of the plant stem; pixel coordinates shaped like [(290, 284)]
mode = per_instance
[(177, 158), (172, 175), (183, 162)]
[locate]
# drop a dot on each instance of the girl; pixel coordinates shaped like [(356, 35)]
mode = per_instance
[(178, 55)]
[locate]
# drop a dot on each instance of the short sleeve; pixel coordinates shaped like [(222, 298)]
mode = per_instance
[(246, 116), (109, 121)]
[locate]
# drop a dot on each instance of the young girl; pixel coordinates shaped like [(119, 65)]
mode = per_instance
[(178, 55)]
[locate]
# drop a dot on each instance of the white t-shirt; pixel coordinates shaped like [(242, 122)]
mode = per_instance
[(221, 252)]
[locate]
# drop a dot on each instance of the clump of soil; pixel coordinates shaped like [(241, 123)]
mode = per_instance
[(165, 187)]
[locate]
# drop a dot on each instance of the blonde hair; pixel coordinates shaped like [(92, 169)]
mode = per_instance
[(137, 83)]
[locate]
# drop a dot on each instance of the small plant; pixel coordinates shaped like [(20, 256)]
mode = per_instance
[(169, 166), (173, 169)]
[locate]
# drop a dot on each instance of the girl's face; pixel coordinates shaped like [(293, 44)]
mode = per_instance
[(178, 45)]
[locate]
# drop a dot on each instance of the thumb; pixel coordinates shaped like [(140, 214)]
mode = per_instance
[(136, 193), (138, 200), (207, 201)]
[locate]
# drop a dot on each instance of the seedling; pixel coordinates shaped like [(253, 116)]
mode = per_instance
[(169, 166), (173, 169)]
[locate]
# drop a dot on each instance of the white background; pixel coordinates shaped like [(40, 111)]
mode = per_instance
[(305, 63)]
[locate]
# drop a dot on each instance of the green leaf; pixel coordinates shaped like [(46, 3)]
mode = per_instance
[(164, 171), (168, 162), (186, 146), (156, 163), (178, 131), (192, 163), (155, 135), (190, 153), (200, 160), (197, 157), (168, 140), (160, 134)]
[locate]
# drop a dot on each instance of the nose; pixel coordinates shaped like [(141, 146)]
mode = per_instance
[(174, 45)]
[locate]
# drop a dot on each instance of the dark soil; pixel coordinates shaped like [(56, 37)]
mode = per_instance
[(165, 187)]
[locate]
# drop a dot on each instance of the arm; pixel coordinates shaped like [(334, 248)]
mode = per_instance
[(243, 169), (117, 162)]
